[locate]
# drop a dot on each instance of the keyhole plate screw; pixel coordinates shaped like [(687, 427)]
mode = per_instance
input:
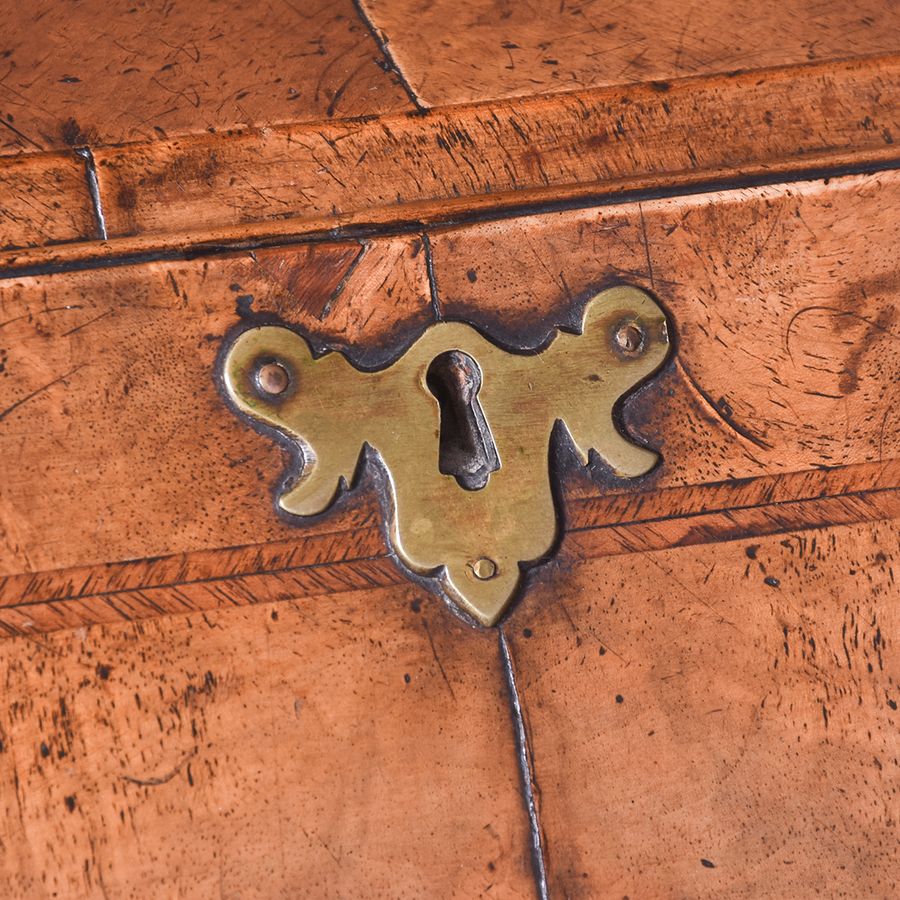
[(272, 378), (629, 337), (484, 568)]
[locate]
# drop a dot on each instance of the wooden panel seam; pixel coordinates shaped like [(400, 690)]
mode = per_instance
[(381, 39), (79, 256), (46, 202), (395, 170), (51, 600)]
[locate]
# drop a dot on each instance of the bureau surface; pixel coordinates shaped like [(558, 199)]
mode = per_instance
[(691, 687)]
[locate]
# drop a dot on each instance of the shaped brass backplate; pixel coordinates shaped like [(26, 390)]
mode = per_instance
[(474, 540)]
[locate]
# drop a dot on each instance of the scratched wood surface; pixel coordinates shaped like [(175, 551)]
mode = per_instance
[(787, 341), (111, 71), (108, 73), (148, 534), (718, 721), (509, 153), (395, 170), (45, 202), (756, 283), (481, 49), (352, 555), (361, 746), (696, 697), (116, 439)]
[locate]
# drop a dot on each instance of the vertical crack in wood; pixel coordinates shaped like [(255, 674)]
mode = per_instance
[(90, 172), (524, 756), (646, 247), (389, 61), (432, 280)]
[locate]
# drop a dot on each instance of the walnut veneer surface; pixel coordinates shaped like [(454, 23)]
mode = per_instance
[(697, 697)]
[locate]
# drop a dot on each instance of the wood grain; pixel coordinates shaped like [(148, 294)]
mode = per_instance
[(696, 697), (92, 357), (785, 319), (355, 556), (593, 508), (111, 71), (263, 753), (734, 342), (459, 52), (717, 721), (115, 438), (45, 201), (398, 168), (396, 171)]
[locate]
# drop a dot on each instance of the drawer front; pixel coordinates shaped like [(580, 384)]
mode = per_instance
[(695, 696)]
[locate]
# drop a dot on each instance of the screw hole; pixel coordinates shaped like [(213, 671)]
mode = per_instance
[(629, 337)]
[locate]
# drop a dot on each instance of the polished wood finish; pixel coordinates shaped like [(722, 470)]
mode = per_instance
[(786, 317), (114, 71), (452, 52), (264, 751), (394, 171), (696, 697), (115, 435), (132, 345), (601, 142), (45, 202), (355, 555), (717, 721)]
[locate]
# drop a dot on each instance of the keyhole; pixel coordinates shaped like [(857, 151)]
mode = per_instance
[(466, 447)]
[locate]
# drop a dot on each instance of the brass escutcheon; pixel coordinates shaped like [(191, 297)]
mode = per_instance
[(476, 535)]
